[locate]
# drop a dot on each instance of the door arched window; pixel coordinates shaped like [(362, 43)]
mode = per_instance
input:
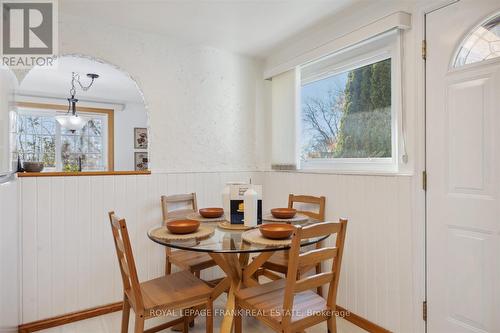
[(482, 43)]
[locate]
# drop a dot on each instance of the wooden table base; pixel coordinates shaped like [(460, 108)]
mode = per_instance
[(240, 274)]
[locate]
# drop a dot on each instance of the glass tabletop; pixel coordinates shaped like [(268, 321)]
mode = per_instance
[(224, 241)]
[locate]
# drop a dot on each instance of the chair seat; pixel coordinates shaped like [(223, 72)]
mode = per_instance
[(191, 261), (268, 299), (177, 290)]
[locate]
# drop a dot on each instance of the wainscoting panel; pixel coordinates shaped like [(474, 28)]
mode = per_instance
[(376, 281), (9, 257), (68, 261)]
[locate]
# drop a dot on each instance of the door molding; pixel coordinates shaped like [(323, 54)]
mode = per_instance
[(419, 247)]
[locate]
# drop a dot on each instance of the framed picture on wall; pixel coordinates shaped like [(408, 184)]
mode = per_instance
[(141, 160), (140, 138)]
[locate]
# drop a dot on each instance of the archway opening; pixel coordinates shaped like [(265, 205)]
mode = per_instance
[(113, 113)]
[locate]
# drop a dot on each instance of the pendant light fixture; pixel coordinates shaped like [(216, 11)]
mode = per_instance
[(71, 120)]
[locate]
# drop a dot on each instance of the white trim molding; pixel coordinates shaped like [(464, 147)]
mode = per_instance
[(398, 20)]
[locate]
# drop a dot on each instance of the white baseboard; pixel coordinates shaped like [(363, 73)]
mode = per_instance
[(8, 329)]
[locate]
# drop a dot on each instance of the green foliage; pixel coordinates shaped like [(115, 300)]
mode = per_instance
[(365, 129), (70, 167)]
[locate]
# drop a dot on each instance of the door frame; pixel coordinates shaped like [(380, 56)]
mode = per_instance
[(419, 228), (421, 164)]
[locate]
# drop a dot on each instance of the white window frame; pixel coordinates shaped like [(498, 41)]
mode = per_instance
[(53, 113), (368, 52)]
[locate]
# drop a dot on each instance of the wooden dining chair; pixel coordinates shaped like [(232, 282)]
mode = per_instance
[(154, 298), (279, 261), (194, 262), (290, 305)]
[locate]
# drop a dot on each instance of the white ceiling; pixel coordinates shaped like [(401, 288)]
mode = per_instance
[(113, 85), (250, 27)]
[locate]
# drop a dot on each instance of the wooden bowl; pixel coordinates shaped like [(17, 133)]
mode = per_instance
[(276, 230), (211, 213), (183, 226), (283, 213)]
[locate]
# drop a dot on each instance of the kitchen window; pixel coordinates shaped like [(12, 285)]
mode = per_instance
[(349, 108), (41, 138)]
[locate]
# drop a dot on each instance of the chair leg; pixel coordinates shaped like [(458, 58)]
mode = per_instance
[(191, 318), (185, 325), (238, 320), (125, 314), (210, 316), (318, 271), (168, 265), (139, 324), (332, 324)]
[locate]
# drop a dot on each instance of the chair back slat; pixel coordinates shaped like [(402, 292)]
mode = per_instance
[(320, 202), (312, 257), (121, 247), (126, 259), (313, 281), (320, 229), (178, 214), (178, 206), (180, 197), (331, 300), (124, 265), (316, 256)]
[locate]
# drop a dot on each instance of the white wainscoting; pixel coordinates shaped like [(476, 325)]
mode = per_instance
[(68, 260), (9, 258), (376, 280)]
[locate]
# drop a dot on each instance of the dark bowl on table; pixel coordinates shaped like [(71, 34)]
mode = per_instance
[(33, 166), (183, 226), (283, 213), (276, 230), (211, 213)]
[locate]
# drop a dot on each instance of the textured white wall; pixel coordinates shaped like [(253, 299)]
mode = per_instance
[(203, 102), (133, 115)]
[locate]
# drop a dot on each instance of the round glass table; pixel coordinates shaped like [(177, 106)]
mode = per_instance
[(231, 253)]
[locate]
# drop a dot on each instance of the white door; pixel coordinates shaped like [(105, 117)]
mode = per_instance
[(463, 168)]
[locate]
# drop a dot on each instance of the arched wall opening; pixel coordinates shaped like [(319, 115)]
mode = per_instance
[(116, 131)]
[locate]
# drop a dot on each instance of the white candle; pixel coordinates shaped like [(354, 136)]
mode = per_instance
[(250, 202)]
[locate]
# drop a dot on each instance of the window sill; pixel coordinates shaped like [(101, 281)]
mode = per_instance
[(350, 173), (83, 173)]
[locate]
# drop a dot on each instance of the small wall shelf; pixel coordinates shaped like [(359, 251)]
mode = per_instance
[(83, 173)]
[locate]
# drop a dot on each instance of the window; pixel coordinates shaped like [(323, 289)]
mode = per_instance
[(41, 138), (483, 43), (348, 103)]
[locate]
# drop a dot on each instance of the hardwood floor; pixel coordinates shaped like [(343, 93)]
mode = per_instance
[(111, 323)]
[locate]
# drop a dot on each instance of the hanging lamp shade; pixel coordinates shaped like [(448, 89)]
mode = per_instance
[(71, 122)]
